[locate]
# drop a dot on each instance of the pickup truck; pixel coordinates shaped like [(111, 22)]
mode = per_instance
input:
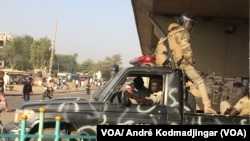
[(82, 116)]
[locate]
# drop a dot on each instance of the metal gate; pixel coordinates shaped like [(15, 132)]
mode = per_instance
[(40, 136)]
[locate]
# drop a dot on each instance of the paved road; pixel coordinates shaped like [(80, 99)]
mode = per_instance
[(16, 93)]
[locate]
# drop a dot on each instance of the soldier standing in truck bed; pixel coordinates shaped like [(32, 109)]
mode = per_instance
[(179, 42)]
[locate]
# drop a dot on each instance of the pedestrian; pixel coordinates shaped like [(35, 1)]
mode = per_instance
[(2, 88), (178, 39), (3, 103), (27, 89), (88, 87), (76, 84)]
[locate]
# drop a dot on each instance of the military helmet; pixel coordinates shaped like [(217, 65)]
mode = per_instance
[(187, 16), (187, 20)]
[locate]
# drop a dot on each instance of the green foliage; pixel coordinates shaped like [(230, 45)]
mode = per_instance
[(25, 53), (40, 53), (16, 53), (65, 63), (86, 66)]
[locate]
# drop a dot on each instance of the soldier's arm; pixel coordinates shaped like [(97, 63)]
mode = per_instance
[(143, 101)]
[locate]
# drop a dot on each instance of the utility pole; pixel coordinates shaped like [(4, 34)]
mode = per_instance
[(52, 50)]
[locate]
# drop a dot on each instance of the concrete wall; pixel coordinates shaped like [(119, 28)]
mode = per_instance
[(217, 51), (225, 54)]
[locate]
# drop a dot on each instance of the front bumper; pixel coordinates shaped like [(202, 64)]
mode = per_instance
[(11, 128)]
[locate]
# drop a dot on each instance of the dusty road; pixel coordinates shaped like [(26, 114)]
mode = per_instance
[(16, 94)]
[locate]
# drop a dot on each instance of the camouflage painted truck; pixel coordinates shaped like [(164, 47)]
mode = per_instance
[(81, 116)]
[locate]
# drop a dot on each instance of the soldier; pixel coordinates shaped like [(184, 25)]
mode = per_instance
[(242, 107), (155, 96), (179, 42)]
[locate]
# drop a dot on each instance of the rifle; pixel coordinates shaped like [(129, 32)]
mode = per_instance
[(169, 60)]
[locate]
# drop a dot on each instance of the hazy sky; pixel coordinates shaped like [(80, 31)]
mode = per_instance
[(94, 29)]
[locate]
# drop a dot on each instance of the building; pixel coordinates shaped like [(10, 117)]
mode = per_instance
[(4, 37), (220, 40)]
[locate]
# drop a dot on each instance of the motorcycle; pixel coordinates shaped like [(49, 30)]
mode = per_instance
[(63, 86), (48, 92), (88, 90)]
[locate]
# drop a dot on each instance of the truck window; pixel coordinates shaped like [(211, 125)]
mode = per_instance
[(127, 86)]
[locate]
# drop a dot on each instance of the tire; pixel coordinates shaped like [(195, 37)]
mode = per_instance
[(44, 95), (50, 95), (88, 91)]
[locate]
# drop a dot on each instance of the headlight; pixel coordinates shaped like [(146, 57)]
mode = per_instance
[(20, 112)]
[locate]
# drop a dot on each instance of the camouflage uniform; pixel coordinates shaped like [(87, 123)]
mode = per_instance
[(243, 106), (179, 42)]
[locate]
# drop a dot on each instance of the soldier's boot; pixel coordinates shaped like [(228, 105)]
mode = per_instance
[(208, 109), (205, 100)]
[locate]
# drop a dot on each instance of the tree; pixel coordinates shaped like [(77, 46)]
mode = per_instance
[(86, 66), (67, 63), (16, 53), (25, 53), (106, 65), (40, 53)]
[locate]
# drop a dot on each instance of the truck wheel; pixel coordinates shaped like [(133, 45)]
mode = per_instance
[(50, 96), (44, 95)]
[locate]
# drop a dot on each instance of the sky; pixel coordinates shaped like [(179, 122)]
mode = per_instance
[(94, 29)]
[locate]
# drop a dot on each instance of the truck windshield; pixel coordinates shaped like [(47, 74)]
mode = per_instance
[(103, 92), (99, 92)]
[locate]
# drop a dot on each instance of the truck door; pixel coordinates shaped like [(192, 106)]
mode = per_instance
[(136, 114)]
